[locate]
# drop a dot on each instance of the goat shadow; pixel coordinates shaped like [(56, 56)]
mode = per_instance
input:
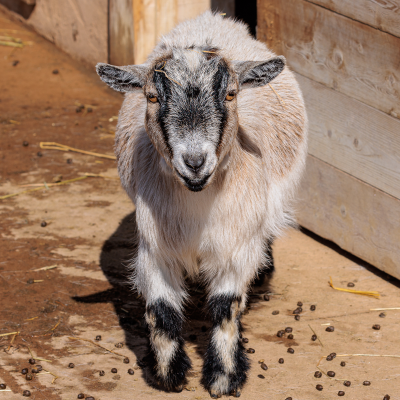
[(117, 251)]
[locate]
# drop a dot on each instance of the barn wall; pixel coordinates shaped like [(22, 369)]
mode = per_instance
[(346, 57)]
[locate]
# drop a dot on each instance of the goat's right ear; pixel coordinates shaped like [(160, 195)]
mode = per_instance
[(123, 79)]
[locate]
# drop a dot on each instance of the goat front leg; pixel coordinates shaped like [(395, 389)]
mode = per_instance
[(226, 363), (163, 290)]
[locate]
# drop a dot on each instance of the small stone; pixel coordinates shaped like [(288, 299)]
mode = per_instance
[(81, 396), (290, 336), (264, 366), (69, 160), (281, 361), (98, 337), (297, 317), (32, 361), (3, 386), (299, 304), (261, 376), (318, 374), (26, 393), (331, 374), (245, 340), (131, 371), (330, 329), (350, 284), (24, 371), (340, 393), (126, 360), (102, 373), (119, 345), (25, 143), (28, 377), (55, 72), (386, 397), (43, 224), (280, 333), (266, 297), (376, 327), (71, 365), (250, 350), (288, 329), (319, 387), (39, 154), (114, 370), (342, 364), (366, 383), (314, 338), (382, 315), (276, 312), (261, 361), (15, 63), (312, 308), (347, 383)]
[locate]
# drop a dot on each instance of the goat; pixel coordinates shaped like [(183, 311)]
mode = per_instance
[(211, 154)]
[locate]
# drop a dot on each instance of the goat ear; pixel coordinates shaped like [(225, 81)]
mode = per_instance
[(258, 73), (123, 79)]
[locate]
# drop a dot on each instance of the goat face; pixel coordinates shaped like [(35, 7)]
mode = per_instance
[(192, 116)]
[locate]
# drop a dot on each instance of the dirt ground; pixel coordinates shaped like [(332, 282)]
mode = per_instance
[(87, 240)]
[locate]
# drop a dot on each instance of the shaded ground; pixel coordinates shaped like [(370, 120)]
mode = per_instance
[(88, 238)]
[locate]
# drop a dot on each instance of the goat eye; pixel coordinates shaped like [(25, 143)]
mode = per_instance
[(230, 96), (152, 99)]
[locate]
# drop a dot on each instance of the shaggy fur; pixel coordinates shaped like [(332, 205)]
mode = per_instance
[(211, 157)]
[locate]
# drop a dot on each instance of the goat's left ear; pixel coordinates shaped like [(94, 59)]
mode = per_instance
[(258, 73)]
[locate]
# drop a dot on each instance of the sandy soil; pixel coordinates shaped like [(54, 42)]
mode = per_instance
[(87, 237)]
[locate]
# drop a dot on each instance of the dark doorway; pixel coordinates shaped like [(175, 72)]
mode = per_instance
[(21, 7)]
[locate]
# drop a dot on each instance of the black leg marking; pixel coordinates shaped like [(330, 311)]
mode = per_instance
[(226, 363), (267, 269), (168, 360)]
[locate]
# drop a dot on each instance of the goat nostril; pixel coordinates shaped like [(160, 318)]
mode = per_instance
[(194, 162)]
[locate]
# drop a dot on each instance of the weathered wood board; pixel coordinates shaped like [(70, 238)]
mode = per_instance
[(353, 137), (120, 32), (380, 14), (359, 218), (343, 54)]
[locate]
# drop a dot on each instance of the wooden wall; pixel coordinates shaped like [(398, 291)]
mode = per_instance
[(346, 56)]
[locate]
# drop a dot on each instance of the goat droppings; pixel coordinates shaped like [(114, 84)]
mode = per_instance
[(98, 337), (376, 327), (347, 383), (250, 350), (276, 312), (71, 365), (131, 371), (266, 297), (281, 361), (26, 393), (331, 374), (290, 336), (366, 383), (81, 396), (297, 317), (264, 366), (340, 393), (290, 350), (318, 374), (114, 370), (126, 360), (342, 364), (319, 387), (312, 308), (330, 329), (314, 338), (386, 397), (102, 373), (3, 386)]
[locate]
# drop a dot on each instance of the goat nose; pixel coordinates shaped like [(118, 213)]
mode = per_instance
[(194, 162)]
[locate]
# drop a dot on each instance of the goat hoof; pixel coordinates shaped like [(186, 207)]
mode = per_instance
[(236, 393), (215, 395), (179, 388)]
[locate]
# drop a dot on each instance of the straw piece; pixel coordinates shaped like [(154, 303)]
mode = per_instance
[(11, 44), (30, 319), (100, 176), (384, 309), (362, 292), (46, 268), (168, 77), (41, 187), (96, 344), (279, 97), (62, 147), (316, 335), (367, 355), (8, 334), (38, 281)]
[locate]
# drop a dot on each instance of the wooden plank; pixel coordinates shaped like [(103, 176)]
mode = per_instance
[(353, 137), (359, 218), (120, 31), (382, 14), (144, 25), (166, 16), (341, 53), (191, 8)]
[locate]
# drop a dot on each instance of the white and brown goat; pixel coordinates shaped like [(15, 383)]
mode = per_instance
[(211, 156)]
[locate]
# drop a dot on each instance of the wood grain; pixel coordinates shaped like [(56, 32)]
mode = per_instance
[(340, 53), (120, 39), (381, 14), (353, 137), (359, 218)]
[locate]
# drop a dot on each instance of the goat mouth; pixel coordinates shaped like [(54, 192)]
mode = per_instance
[(194, 185)]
